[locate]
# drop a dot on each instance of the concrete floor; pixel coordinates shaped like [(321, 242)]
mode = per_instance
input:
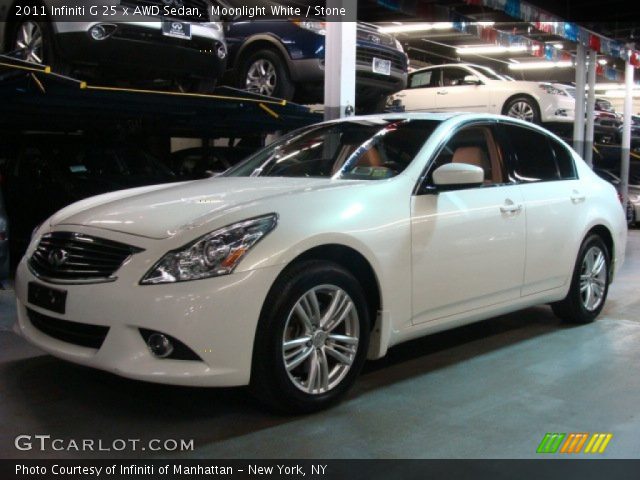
[(489, 390)]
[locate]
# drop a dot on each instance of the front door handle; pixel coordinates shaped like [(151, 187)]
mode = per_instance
[(442, 92), (511, 207), (577, 197)]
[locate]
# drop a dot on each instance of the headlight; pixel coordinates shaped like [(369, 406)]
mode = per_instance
[(215, 254), (316, 27), (550, 89)]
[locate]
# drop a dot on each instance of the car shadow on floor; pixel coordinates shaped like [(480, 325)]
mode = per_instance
[(69, 401)]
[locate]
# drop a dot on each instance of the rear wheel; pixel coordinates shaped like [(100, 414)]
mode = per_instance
[(523, 108), (589, 284), (312, 339)]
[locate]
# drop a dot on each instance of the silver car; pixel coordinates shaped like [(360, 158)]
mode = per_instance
[(174, 40)]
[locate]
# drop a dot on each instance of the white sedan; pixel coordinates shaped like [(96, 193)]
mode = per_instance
[(325, 248), (473, 88)]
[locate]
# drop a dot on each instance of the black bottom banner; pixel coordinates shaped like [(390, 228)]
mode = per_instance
[(543, 469)]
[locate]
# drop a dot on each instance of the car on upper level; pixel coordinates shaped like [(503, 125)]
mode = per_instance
[(285, 59), (182, 46), (474, 88), (330, 245)]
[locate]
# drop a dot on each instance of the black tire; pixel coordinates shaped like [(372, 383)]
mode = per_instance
[(270, 382), (572, 309), (49, 54), (282, 86), (524, 101)]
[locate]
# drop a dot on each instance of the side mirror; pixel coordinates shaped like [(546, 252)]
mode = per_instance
[(456, 175), (471, 80)]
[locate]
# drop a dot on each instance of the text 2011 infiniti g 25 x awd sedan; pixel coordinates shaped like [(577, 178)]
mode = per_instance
[(329, 246)]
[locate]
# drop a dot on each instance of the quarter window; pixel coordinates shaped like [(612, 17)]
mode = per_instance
[(564, 159), (535, 160)]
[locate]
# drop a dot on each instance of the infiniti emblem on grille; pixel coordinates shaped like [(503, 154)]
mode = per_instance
[(374, 39), (58, 257)]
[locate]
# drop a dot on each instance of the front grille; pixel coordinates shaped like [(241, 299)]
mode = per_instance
[(373, 36), (199, 6), (69, 257), (365, 55), (82, 334)]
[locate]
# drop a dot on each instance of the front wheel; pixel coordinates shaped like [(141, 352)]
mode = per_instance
[(33, 43), (265, 73), (523, 108), (312, 338), (589, 284)]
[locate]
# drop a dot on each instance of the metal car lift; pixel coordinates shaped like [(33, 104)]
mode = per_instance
[(33, 98)]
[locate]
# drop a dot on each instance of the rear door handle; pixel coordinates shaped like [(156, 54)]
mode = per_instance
[(578, 198), (442, 92)]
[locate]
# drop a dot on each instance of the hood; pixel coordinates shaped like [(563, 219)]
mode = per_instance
[(162, 211)]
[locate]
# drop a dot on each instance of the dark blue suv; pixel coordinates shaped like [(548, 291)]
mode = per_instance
[(285, 59)]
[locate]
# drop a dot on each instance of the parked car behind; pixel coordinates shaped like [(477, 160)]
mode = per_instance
[(182, 48), (46, 177), (4, 239), (633, 205), (285, 59), (202, 162), (474, 88)]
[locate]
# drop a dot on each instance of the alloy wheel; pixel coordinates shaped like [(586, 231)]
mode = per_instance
[(593, 277), (521, 110), (261, 77), (30, 42), (320, 340)]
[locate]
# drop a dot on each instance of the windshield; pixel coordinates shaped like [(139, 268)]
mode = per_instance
[(363, 149)]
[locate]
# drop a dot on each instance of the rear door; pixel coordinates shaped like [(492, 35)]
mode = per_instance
[(420, 94), (554, 205), (456, 95)]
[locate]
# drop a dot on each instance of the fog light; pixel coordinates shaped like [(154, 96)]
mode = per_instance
[(102, 31), (222, 52), (160, 345), (98, 32)]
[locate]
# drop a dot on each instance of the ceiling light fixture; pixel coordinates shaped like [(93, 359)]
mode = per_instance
[(416, 27), (490, 49), (539, 65)]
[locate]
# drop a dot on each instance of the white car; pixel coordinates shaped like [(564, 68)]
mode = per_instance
[(329, 246), (473, 88)]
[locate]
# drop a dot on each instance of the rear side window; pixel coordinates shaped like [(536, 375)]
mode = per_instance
[(564, 159), (535, 160)]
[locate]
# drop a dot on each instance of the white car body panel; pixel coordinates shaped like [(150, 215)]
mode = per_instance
[(490, 97), (424, 251)]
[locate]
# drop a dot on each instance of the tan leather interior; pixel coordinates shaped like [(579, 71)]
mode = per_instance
[(470, 155)]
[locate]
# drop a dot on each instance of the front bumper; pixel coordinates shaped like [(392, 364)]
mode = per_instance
[(141, 49), (558, 109), (216, 318)]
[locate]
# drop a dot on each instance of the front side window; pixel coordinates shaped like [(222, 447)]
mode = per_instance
[(453, 76), (534, 158), (372, 149), (474, 145)]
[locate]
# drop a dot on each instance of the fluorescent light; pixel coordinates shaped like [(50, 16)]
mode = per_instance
[(559, 46), (539, 65), (416, 27), (602, 61), (485, 24), (490, 49), (621, 93)]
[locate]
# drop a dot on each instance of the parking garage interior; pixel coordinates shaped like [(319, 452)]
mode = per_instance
[(488, 390)]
